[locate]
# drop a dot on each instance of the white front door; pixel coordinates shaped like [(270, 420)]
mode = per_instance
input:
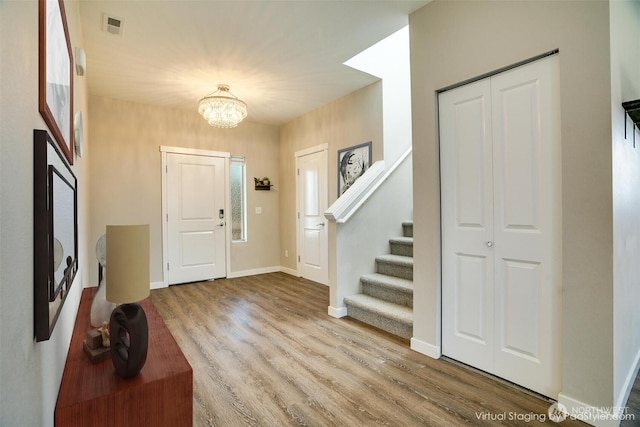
[(196, 224), (312, 201), (501, 254)]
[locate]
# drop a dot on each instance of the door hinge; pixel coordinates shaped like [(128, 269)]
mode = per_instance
[(167, 266), (166, 168), (298, 171), (298, 258), (298, 215)]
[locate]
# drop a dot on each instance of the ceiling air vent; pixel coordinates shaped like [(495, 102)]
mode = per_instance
[(112, 24)]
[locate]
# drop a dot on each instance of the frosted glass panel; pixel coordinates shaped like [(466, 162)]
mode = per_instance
[(238, 223)]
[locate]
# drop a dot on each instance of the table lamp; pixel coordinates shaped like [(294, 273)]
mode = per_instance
[(127, 283)]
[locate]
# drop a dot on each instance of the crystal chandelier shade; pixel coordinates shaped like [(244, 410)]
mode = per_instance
[(222, 109)]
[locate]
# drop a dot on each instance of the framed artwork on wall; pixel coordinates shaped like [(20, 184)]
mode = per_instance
[(55, 232), (353, 162), (55, 74)]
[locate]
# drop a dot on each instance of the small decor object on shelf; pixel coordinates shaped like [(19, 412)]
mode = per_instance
[(104, 333), (101, 308), (262, 183), (96, 344), (128, 283)]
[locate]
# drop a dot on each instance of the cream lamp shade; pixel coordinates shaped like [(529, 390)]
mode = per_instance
[(128, 260)]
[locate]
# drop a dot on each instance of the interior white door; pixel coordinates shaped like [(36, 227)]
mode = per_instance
[(501, 224), (527, 225), (312, 202), (467, 224), (196, 229)]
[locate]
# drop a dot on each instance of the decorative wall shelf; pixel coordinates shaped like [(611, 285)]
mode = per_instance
[(262, 185), (632, 109)]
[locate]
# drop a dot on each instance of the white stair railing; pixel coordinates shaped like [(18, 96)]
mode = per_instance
[(361, 222)]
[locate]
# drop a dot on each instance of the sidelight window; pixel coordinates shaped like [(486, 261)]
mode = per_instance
[(238, 200)]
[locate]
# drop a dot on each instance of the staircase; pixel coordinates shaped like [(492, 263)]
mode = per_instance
[(386, 301)]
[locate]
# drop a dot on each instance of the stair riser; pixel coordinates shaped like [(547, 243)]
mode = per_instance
[(390, 325), (386, 294), (400, 249), (395, 270), (407, 230)]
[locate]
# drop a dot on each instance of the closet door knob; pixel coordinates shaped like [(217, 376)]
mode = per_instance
[(489, 243)]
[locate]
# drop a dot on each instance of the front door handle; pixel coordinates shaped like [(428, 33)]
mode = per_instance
[(221, 224)]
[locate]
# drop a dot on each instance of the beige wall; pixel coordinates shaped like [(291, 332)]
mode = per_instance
[(126, 174), (30, 372), (452, 41), (625, 86), (353, 119)]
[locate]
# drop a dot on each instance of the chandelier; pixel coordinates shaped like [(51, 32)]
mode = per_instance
[(222, 108)]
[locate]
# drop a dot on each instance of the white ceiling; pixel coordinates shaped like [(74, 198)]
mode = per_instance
[(283, 58)]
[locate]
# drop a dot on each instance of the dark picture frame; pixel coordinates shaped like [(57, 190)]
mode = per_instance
[(55, 232), (353, 162), (55, 74)]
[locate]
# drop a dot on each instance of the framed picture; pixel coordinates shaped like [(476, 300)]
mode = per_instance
[(55, 87), (55, 232), (353, 162)]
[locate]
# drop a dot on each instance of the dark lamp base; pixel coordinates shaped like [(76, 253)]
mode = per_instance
[(129, 335)]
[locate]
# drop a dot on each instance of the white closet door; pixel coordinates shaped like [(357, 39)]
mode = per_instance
[(467, 224), (527, 221), (501, 255)]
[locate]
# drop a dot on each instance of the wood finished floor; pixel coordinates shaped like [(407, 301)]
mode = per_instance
[(632, 412), (265, 352)]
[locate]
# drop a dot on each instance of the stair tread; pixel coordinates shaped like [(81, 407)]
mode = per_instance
[(402, 240), (384, 308), (408, 222), (389, 281), (396, 259)]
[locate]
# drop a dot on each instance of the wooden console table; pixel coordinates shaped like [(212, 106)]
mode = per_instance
[(95, 395)]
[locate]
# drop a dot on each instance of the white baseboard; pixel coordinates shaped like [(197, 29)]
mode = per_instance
[(592, 415), (603, 417), (628, 382), (337, 312), (425, 348), (289, 271), (244, 273), (156, 285)]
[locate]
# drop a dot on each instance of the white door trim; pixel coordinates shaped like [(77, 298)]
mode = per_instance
[(164, 150), (298, 154), (311, 150)]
